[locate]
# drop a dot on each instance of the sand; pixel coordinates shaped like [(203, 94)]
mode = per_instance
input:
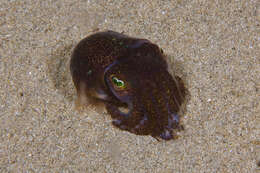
[(213, 46)]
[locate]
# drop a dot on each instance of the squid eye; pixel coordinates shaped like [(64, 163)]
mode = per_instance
[(118, 83)]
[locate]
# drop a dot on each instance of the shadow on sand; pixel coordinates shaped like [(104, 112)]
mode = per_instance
[(59, 71)]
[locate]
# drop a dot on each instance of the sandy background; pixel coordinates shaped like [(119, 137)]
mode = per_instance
[(215, 47)]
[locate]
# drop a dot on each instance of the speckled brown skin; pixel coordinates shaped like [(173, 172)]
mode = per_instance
[(152, 95)]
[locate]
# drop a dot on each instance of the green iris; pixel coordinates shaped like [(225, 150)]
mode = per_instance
[(119, 83)]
